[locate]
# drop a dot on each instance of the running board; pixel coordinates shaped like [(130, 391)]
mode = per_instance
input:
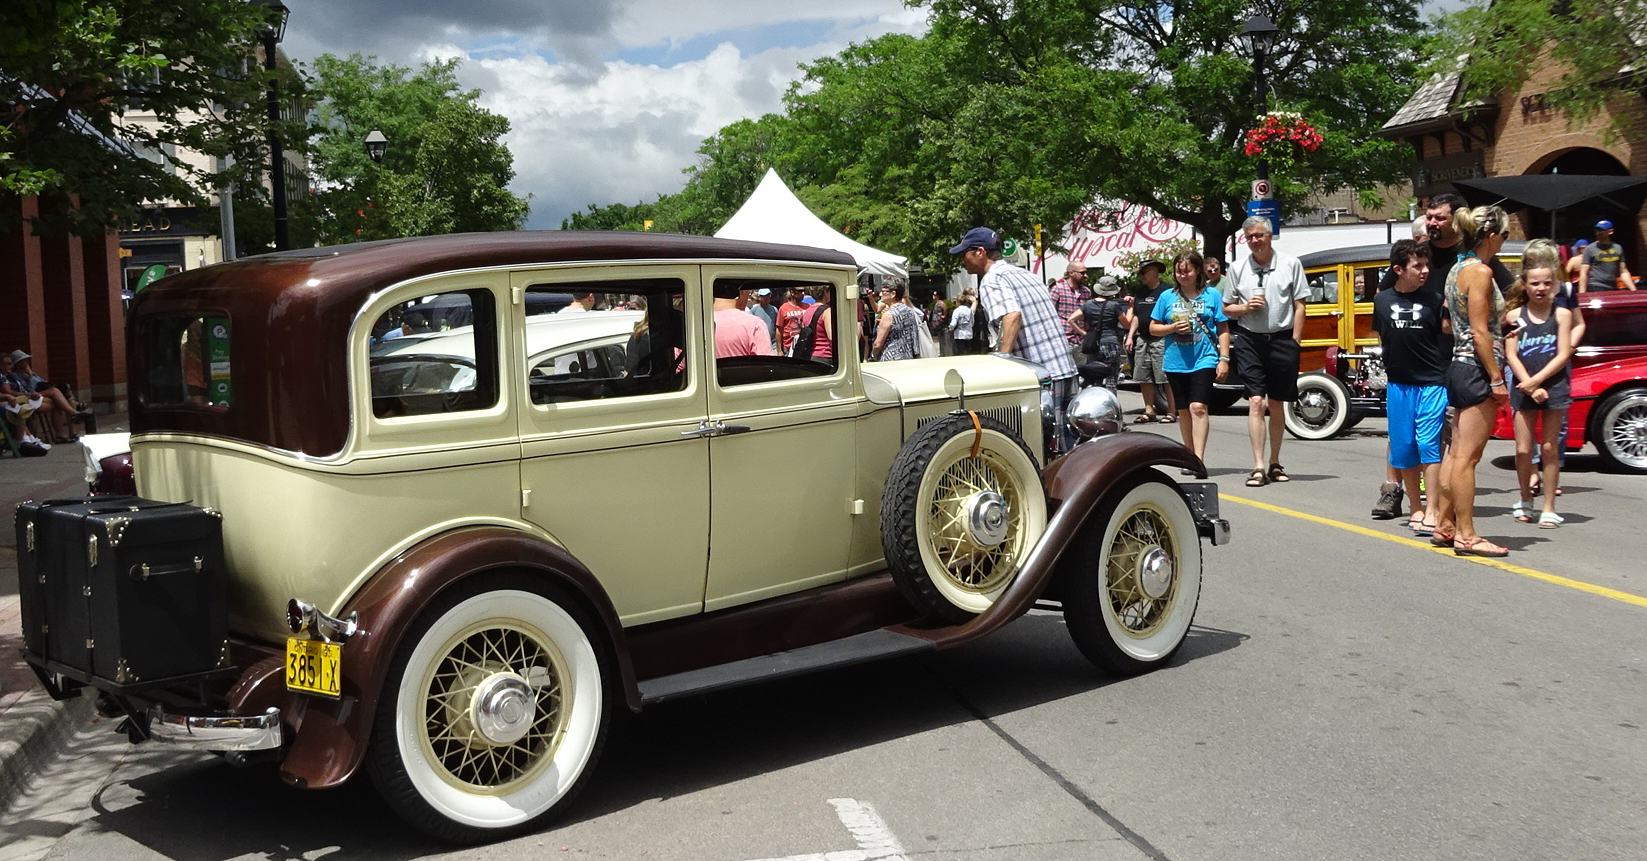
[(856, 649)]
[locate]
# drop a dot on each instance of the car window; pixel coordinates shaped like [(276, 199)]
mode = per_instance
[(1323, 288), (188, 361), (1615, 327), (605, 339), (1366, 281), (435, 354), (803, 341)]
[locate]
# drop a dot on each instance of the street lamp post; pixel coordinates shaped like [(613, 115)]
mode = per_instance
[(270, 34), (1259, 37), (376, 145)]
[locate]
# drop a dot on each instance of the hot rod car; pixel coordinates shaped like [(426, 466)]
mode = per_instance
[(390, 520)]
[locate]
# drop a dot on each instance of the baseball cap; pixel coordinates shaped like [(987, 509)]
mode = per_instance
[(1108, 286), (1580, 244), (1604, 224), (764, 291), (978, 237), (1147, 262)]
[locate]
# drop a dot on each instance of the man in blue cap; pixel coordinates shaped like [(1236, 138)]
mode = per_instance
[(1602, 266), (1018, 304)]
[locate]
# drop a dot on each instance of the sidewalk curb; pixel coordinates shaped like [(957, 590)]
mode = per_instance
[(32, 733)]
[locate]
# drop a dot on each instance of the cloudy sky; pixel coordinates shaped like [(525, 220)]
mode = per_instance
[(608, 99)]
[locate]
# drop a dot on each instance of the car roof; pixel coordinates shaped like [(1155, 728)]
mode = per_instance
[(1375, 254)]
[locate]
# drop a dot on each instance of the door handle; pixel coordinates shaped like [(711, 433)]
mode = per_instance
[(706, 429)]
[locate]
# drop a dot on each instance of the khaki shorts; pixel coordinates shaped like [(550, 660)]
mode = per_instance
[(1146, 361)]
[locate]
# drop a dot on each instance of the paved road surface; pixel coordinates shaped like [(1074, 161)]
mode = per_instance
[(1347, 693)]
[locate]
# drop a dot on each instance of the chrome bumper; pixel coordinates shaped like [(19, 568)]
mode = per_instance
[(225, 733)]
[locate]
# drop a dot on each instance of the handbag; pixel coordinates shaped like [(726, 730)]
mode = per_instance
[(924, 345)]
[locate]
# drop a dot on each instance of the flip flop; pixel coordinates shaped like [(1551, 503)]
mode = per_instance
[(1278, 473), (1423, 529), (1550, 520), (1479, 547), (1416, 522), (1257, 479), (1441, 539)]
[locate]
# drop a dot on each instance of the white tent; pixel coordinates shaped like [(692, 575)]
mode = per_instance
[(774, 214)]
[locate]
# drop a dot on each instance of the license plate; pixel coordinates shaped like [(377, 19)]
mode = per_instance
[(314, 667)]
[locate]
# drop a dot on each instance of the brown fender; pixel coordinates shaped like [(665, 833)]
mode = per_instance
[(1074, 484), (331, 735)]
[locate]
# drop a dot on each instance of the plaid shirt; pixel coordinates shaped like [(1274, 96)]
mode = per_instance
[(1068, 300), (1005, 288)]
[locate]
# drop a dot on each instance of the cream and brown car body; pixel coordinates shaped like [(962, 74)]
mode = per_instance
[(703, 516)]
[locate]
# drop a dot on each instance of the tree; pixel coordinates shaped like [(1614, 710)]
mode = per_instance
[(446, 169), (1596, 44), (1013, 113), (617, 216), (72, 70)]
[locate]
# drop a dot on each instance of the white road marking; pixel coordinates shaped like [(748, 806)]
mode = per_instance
[(876, 842)]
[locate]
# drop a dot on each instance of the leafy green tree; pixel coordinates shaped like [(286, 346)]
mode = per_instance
[(1596, 44), (74, 70), (617, 216), (446, 169)]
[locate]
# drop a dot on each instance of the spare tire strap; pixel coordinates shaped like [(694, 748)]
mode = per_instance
[(977, 431)]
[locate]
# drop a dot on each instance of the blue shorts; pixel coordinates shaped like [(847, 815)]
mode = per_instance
[(1417, 414)]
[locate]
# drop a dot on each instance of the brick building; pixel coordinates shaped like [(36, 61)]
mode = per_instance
[(1517, 134)]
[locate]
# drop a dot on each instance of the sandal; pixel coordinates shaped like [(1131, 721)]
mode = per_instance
[(1144, 419), (1423, 529), (1441, 539), (1550, 520), (1278, 473), (1257, 479), (1167, 420), (1416, 522), (1479, 547), (1521, 512)]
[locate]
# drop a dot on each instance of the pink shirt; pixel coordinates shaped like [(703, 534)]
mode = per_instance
[(740, 334)]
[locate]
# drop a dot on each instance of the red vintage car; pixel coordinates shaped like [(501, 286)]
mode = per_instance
[(1609, 382)]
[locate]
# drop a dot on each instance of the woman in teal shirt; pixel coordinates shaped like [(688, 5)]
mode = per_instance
[(1191, 317)]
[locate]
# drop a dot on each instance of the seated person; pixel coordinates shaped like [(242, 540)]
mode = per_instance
[(20, 381)]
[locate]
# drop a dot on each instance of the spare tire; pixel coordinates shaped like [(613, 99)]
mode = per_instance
[(962, 507)]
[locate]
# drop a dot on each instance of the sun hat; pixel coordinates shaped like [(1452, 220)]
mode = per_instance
[(1108, 287)]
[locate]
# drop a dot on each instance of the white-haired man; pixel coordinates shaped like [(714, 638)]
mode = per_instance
[(1265, 302)]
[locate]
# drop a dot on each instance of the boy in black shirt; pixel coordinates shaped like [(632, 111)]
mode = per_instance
[(1412, 329)]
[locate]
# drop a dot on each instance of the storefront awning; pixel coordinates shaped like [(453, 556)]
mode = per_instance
[(1551, 191)]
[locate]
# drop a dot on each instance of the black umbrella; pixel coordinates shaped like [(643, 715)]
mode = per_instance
[(1552, 191)]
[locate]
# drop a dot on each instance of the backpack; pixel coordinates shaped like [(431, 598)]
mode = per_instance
[(807, 338)]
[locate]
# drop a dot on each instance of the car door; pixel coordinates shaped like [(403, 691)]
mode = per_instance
[(613, 464), (783, 488)]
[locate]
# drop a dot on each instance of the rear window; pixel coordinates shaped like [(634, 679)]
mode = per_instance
[(188, 362), (435, 354)]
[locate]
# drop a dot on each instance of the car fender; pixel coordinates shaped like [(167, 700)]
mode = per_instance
[(331, 735), (1075, 483)]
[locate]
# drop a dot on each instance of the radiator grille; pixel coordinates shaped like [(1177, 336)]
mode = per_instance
[(1012, 417)]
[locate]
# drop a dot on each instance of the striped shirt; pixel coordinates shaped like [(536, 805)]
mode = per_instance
[(1006, 288)]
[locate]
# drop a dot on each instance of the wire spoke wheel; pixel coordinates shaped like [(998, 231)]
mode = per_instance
[(962, 507), (493, 712), (1131, 580)]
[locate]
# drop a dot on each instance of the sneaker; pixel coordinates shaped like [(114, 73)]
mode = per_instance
[(1389, 502)]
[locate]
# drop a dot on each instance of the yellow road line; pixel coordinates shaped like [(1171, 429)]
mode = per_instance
[(1580, 585)]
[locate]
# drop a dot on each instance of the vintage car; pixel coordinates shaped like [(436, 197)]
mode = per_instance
[(448, 556), (1609, 382), (1340, 342)]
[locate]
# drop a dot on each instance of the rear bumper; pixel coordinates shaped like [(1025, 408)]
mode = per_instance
[(216, 732)]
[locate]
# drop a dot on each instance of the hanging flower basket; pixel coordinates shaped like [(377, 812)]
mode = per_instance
[(1282, 134)]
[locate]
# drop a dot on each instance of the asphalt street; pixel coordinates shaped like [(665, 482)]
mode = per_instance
[(1347, 693)]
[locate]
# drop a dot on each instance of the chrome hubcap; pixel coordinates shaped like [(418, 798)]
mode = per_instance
[(987, 518), (1155, 572), (503, 708)]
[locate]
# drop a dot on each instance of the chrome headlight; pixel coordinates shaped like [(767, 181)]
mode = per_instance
[(1049, 411), (1095, 411)]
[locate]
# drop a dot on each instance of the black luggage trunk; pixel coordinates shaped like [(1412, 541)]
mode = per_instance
[(122, 592)]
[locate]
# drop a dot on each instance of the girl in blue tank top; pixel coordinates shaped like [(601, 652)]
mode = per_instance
[(1538, 352)]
